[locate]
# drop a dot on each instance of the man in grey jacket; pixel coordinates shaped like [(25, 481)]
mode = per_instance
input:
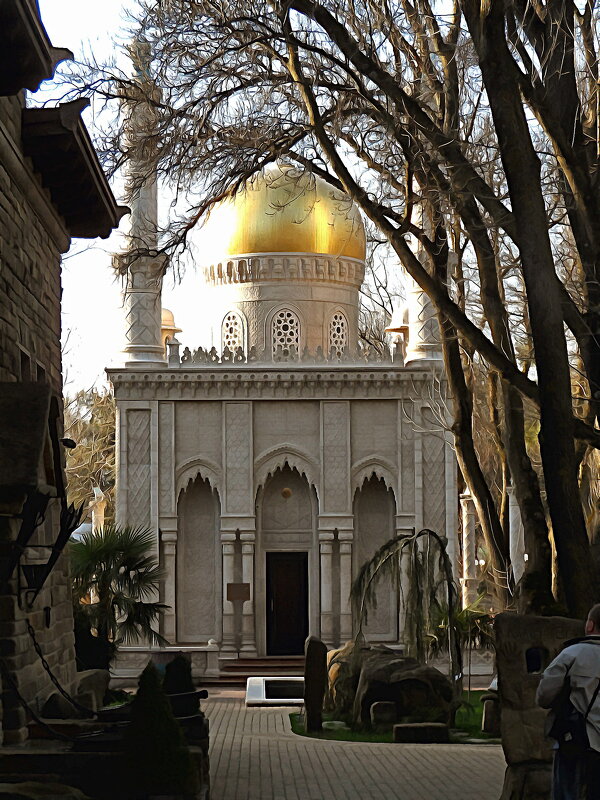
[(577, 775)]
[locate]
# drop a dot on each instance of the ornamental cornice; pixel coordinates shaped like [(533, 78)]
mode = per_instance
[(285, 267), (270, 383)]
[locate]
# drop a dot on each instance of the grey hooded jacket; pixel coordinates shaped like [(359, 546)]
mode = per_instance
[(582, 659)]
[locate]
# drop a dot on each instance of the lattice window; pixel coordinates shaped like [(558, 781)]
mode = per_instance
[(338, 333), (286, 334), (232, 331)]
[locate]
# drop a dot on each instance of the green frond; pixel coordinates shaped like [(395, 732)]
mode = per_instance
[(116, 565), (137, 623)]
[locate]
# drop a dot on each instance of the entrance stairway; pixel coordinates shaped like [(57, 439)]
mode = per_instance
[(234, 671)]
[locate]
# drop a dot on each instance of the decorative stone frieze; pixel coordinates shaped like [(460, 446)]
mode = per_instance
[(271, 383), (285, 267)]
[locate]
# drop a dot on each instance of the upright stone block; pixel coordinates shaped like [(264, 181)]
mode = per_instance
[(315, 682), (525, 645), (383, 714)]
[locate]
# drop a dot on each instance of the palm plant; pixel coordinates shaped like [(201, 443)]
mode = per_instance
[(473, 626), (115, 577)]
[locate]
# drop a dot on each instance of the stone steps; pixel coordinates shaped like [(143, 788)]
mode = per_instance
[(237, 670)]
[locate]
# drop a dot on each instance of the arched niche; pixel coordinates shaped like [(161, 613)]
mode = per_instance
[(286, 502), (374, 513), (287, 562), (198, 563)]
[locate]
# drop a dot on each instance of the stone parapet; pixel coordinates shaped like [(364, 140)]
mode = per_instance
[(270, 382)]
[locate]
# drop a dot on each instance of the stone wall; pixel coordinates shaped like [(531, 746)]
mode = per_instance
[(32, 237)]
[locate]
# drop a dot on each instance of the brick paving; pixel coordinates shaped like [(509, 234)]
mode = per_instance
[(255, 756)]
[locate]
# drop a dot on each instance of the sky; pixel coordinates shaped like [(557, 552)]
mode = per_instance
[(93, 319)]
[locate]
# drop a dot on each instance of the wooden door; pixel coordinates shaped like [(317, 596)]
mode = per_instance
[(287, 603)]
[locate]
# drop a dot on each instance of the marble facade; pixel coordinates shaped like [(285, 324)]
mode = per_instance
[(298, 444)]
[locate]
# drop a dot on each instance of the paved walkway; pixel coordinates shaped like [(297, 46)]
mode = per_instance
[(255, 756)]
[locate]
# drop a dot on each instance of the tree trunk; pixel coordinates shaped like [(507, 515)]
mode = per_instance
[(466, 454), (536, 589), (522, 169)]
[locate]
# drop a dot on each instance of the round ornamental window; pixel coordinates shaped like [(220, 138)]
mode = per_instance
[(286, 334), (232, 332), (338, 333)]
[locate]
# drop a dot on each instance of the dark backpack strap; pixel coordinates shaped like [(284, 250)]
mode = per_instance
[(593, 700)]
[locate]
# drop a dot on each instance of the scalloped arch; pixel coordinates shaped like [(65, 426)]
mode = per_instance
[(271, 460), (367, 467), (189, 470)]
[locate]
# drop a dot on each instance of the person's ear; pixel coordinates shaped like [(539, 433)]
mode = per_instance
[(589, 627)]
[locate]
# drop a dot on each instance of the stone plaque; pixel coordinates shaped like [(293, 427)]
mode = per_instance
[(238, 592)]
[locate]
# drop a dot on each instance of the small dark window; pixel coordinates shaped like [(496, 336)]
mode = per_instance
[(25, 367), (40, 374), (536, 659)]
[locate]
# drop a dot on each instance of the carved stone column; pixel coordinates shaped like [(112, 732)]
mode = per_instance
[(228, 544), (469, 571), (142, 301), (169, 558), (248, 647), (345, 541), (140, 264), (326, 558), (424, 340), (143, 284)]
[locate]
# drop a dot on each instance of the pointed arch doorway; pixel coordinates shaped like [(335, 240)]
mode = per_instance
[(286, 597)]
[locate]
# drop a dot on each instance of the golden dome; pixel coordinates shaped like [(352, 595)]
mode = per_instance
[(167, 320), (168, 329), (285, 210)]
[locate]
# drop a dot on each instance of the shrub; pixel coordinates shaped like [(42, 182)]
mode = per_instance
[(158, 759)]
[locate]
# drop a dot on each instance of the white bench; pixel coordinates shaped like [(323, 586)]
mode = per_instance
[(273, 691)]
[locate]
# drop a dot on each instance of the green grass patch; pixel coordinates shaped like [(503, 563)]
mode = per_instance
[(470, 714), (468, 720), (297, 721)]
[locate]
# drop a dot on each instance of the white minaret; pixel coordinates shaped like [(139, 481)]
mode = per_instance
[(424, 341), (142, 266)]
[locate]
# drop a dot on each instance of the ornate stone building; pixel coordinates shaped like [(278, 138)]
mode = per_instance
[(274, 461)]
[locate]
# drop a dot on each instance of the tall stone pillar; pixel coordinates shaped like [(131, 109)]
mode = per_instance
[(345, 541), (469, 571), (326, 563), (248, 647), (228, 545), (142, 301), (141, 264), (169, 559)]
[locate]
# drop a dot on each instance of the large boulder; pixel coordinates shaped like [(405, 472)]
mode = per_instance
[(421, 693), (360, 675), (343, 673)]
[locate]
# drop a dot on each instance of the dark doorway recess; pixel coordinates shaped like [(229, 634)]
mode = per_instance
[(287, 603)]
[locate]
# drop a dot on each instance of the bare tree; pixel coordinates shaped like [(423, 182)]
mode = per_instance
[(90, 422), (440, 126)]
